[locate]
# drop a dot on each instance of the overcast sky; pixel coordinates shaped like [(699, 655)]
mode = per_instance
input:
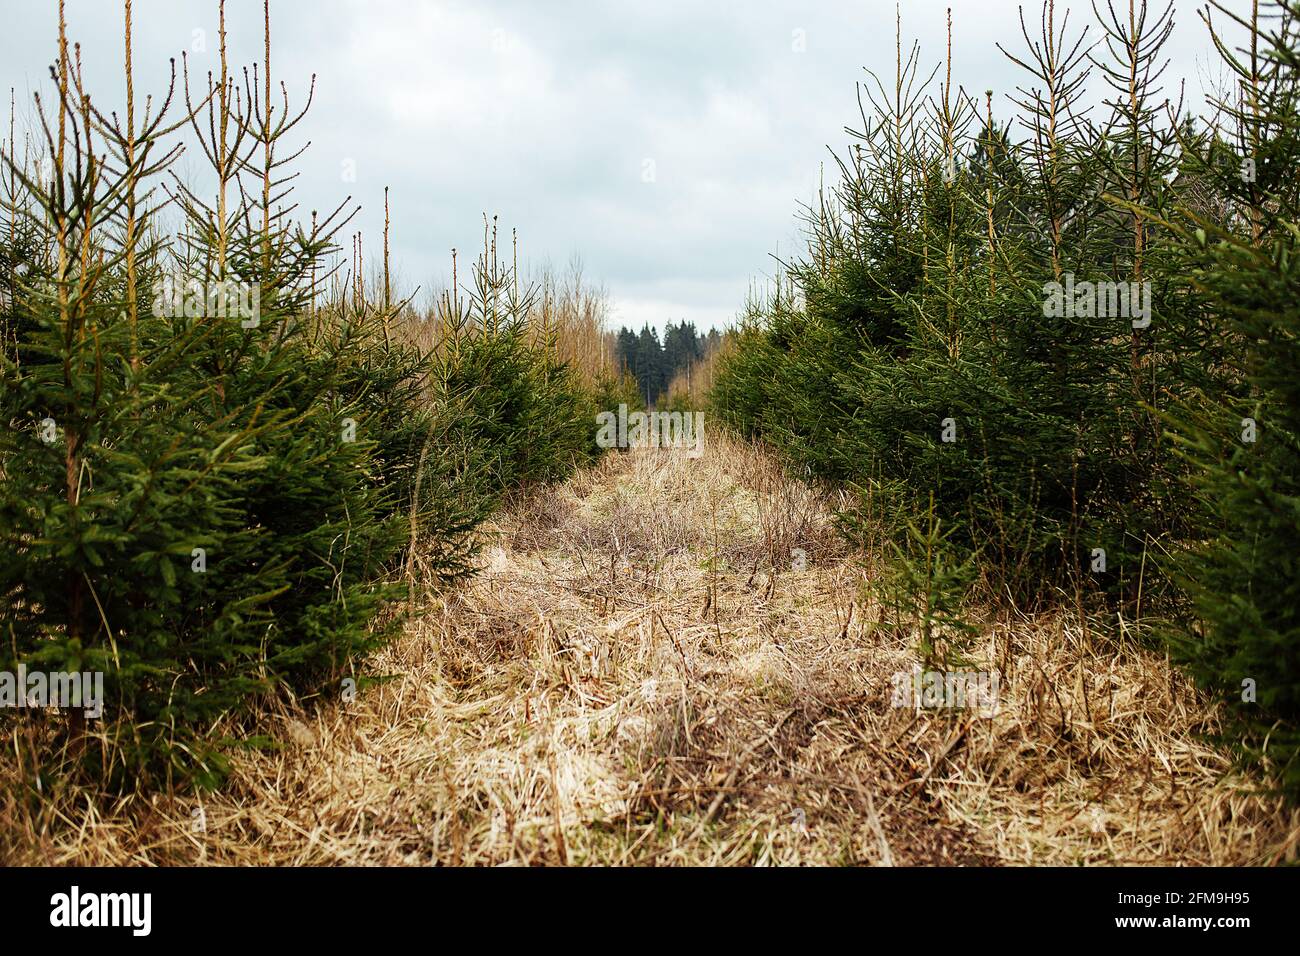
[(666, 142)]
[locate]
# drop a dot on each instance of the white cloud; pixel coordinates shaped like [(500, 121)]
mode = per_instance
[(545, 114)]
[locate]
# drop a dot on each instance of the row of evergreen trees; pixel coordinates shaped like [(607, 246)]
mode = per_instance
[(1059, 352), (655, 364), (219, 464)]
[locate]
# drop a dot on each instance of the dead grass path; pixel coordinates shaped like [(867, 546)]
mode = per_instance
[(672, 661)]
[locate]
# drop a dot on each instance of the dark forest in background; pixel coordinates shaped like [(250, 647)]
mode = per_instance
[(655, 363)]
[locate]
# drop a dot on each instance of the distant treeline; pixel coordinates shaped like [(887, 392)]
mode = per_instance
[(655, 364)]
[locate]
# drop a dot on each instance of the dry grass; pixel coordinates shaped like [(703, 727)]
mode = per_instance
[(639, 676), (564, 313)]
